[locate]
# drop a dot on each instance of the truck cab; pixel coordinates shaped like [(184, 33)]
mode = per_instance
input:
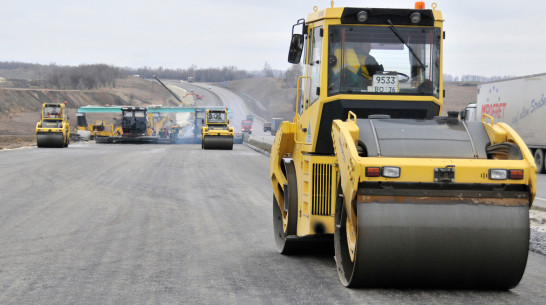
[(246, 126)]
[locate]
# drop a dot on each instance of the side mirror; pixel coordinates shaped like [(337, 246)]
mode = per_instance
[(296, 48)]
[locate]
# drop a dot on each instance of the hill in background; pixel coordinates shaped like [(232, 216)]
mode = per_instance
[(458, 95), (267, 97), (20, 107)]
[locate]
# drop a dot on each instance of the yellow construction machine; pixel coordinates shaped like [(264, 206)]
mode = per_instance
[(101, 129), (53, 129), (406, 197), (216, 133), (89, 131)]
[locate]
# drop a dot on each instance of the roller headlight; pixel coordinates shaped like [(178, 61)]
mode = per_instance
[(415, 17), (362, 16), (498, 174), (390, 171)]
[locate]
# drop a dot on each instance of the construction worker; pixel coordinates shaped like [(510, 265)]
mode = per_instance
[(358, 65), (368, 66)]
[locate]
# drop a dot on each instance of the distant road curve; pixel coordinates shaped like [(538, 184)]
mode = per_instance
[(239, 110)]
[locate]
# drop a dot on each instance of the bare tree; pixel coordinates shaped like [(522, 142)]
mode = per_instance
[(291, 75), (267, 71)]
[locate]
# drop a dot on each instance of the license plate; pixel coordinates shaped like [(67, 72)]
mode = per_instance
[(385, 84)]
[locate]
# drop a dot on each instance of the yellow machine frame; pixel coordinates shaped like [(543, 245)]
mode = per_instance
[(318, 176), (209, 130), (63, 129)]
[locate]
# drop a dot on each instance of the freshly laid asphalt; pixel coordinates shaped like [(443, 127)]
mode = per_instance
[(171, 224)]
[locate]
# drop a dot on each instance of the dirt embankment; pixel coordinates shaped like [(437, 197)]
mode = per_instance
[(20, 107), (266, 96), (458, 95)]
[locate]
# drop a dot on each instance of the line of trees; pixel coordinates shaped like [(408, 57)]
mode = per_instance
[(200, 74), (472, 78), (83, 77), (88, 77)]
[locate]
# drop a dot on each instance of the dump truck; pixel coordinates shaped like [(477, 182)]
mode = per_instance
[(217, 134), (519, 102), (53, 129), (403, 196)]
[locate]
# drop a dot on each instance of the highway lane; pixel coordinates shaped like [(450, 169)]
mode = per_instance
[(126, 224), (240, 111), (215, 95)]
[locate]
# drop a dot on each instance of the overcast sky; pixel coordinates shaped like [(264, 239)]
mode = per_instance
[(486, 38)]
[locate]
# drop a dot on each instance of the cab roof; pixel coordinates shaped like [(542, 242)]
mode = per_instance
[(348, 15)]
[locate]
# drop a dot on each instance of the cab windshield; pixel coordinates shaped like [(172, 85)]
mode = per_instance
[(374, 60), (217, 117), (53, 112)]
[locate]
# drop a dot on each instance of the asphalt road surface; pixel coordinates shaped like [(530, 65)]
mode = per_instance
[(168, 224)]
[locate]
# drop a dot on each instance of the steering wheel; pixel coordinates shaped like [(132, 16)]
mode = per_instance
[(402, 80)]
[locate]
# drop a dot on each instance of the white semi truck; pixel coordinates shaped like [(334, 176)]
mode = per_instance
[(521, 103)]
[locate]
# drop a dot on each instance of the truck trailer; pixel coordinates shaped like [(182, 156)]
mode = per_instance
[(519, 102)]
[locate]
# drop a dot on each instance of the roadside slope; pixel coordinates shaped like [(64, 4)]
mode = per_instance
[(20, 107), (266, 96)]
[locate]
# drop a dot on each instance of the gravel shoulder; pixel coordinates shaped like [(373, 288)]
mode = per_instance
[(537, 219)]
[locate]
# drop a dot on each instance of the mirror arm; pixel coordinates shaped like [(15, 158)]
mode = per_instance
[(304, 27)]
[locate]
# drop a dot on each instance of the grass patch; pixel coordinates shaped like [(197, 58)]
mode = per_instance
[(15, 141)]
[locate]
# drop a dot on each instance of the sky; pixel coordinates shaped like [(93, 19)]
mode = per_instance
[(487, 38)]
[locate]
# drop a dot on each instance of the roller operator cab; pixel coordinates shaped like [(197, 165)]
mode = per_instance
[(217, 134), (53, 129), (367, 166)]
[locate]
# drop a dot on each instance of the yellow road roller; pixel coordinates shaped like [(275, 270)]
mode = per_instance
[(403, 196), (216, 133), (53, 129)]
